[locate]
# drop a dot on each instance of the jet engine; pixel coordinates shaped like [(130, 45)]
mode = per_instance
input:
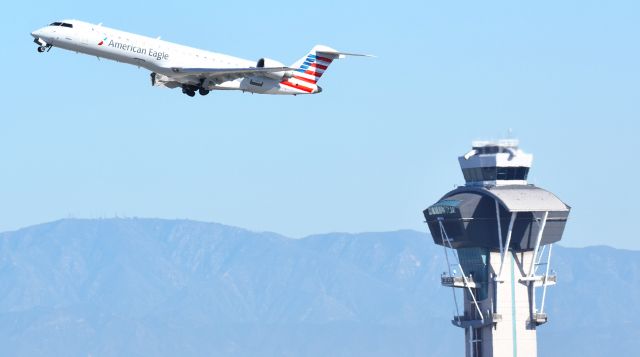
[(269, 63)]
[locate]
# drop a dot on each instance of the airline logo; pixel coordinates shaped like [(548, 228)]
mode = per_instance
[(309, 71), (102, 42), (312, 68)]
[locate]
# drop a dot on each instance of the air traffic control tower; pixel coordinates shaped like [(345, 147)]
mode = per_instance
[(498, 232)]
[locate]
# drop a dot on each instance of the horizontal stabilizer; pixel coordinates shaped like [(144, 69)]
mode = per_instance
[(338, 54)]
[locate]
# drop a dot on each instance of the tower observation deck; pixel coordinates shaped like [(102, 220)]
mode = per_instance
[(498, 233)]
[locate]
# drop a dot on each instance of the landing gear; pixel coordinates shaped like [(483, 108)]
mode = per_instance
[(42, 46), (201, 89), (189, 92)]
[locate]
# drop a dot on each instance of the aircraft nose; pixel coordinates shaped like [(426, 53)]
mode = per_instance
[(37, 33)]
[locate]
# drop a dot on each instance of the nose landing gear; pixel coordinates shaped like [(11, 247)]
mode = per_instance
[(42, 46)]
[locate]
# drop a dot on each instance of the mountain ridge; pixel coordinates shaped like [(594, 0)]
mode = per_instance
[(209, 288)]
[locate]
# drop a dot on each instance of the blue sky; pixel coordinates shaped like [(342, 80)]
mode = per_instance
[(86, 138)]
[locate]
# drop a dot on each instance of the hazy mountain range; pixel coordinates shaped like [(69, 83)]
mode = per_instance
[(150, 287)]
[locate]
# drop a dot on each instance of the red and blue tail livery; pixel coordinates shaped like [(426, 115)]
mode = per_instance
[(309, 69)]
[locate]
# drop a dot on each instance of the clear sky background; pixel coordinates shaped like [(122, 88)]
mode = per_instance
[(87, 138)]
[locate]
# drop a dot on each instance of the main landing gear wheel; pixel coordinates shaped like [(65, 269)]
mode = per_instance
[(41, 49), (203, 91), (188, 91)]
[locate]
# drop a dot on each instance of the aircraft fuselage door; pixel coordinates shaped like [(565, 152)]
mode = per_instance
[(67, 33), (56, 33)]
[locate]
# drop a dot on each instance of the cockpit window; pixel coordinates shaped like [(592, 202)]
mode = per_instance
[(63, 24)]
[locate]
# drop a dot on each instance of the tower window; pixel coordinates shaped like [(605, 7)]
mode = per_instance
[(495, 173)]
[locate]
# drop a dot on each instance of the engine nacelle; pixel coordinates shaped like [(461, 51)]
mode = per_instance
[(268, 63)]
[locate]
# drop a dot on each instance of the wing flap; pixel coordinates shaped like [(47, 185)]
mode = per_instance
[(240, 72), (219, 75)]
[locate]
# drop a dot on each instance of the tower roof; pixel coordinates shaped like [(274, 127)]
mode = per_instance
[(520, 198)]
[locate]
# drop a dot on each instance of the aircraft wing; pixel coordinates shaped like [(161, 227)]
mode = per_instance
[(225, 74)]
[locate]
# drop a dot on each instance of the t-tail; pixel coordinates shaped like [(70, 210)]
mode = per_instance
[(309, 69)]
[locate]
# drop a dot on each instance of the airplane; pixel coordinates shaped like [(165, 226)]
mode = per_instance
[(177, 66)]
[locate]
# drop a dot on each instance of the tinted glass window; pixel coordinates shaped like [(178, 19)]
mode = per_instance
[(512, 173), (64, 24), (467, 175), (473, 174), (504, 173), (56, 24), (495, 173), (488, 173), (443, 207)]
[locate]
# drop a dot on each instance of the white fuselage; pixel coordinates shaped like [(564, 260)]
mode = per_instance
[(158, 56)]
